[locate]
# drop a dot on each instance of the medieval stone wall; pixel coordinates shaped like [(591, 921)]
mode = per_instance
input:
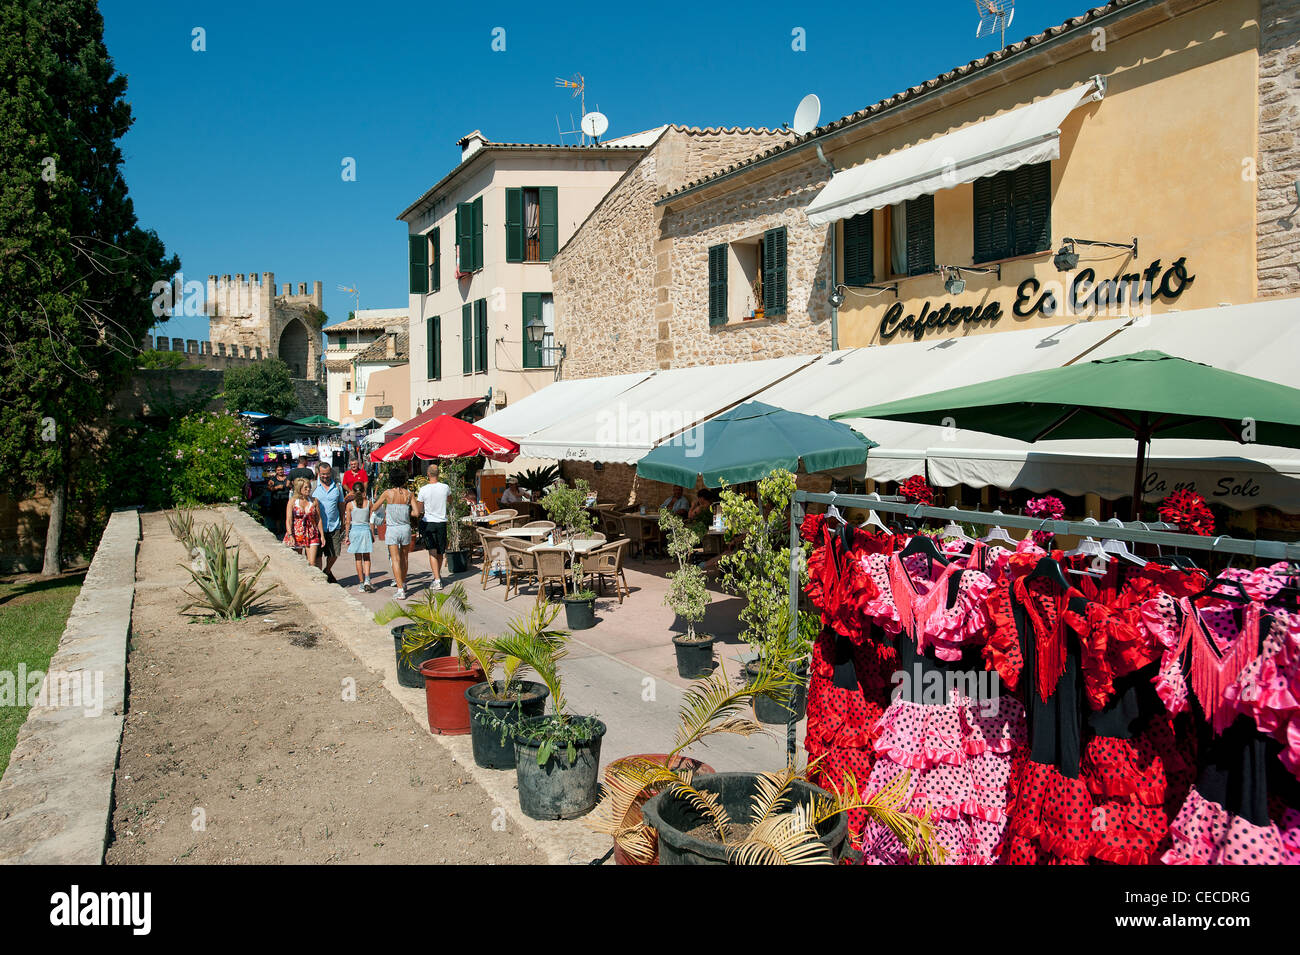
[(245, 315), (1278, 202)]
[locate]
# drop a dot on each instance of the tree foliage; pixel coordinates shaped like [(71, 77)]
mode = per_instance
[(266, 386)]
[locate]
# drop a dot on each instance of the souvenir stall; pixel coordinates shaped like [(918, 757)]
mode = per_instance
[(282, 442), (1134, 699)]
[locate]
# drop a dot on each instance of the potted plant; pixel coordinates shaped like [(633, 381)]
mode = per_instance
[(439, 616), (452, 472), (557, 755), (758, 571), (536, 480), (497, 706), (688, 596), (567, 507)]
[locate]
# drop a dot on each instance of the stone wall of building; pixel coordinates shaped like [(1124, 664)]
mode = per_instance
[(1278, 224), (245, 314), (611, 280)]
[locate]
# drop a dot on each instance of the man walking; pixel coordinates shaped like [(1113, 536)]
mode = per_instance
[(433, 527), (332, 501), (303, 470)]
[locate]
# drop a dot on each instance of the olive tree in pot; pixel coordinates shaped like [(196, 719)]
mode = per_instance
[(557, 755), (452, 471), (440, 622), (759, 572), (688, 596), (566, 506)]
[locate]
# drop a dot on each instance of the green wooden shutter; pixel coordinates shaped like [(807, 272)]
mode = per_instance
[(476, 230), (514, 225), (464, 246), (532, 310), (435, 261), (419, 254), (718, 285), (467, 338), (480, 335), (920, 235), (992, 217), (437, 346), (1031, 197), (549, 200), (430, 359), (774, 273), (859, 250)]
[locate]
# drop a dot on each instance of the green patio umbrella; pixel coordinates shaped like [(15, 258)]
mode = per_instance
[(751, 441), (1144, 395), (318, 419)]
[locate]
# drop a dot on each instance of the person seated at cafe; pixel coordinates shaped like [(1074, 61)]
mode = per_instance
[(513, 494), (700, 517), (677, 502)]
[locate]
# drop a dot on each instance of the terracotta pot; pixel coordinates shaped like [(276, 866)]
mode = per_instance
[(445, 683), (621, 857)]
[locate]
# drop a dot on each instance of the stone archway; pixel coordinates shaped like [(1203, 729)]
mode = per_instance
[(293, 349)]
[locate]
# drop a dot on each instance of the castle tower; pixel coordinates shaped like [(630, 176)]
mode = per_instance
[(245, 315)]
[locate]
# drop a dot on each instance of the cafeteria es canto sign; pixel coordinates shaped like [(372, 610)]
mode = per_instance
[(1085, 295)]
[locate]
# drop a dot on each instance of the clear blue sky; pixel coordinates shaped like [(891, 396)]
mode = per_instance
[(235, 156)]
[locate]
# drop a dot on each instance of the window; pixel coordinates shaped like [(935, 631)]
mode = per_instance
[(433, 347), (746, 276), (480, 335), (539, 305), (467, 337), (1013, 213), (718, 284), (435, 261), (772, 276), (859, 250), (469, 235), (341, 341), (531, 224), (911, 236), (419, 261), (473, 336)]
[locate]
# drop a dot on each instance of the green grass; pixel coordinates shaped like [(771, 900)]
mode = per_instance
[(32, 616)]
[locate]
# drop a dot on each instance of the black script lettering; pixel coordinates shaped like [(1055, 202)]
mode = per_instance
[(1085, 276), (889, 324), (1024, 292), (992, 312), (1176, 271), (1246, 489)]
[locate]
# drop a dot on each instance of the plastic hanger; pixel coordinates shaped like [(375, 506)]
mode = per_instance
[(996, 533), (925, 545), (873, 519), (953, 529), (1049, 569), (1214, 589), (833, 512), (1119, 548)]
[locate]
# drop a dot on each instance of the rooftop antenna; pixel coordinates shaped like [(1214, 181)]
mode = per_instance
[(594, 125), (579, 87), (356, 297), (995, 17), (807, 114)]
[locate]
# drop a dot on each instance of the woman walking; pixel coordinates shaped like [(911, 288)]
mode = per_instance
[(397, 502), (360, 539), (302, 520)]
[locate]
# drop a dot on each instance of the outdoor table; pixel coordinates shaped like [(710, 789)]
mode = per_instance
[(581, 546), (532, 532)]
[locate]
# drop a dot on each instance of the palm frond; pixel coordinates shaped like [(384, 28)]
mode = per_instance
[(783, 839), (772, 794)]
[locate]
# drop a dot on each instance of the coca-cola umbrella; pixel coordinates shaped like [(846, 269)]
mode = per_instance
[(446, 437)]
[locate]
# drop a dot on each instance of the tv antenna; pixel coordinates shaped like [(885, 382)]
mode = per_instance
[(995, 17), (356, 297), (579, 87), (807, 114), (594, 125)]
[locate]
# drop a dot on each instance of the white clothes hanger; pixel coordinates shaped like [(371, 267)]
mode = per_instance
[(1120, 548), (953, 529), (998, 534), (873, 519)]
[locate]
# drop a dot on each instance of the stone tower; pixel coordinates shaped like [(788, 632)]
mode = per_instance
[(246, 317)]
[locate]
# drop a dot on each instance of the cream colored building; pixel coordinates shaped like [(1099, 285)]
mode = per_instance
[(344, 341), (479, 250)]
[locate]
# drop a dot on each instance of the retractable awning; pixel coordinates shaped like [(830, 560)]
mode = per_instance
[(558, 402), (1020, 137), (623, 427)]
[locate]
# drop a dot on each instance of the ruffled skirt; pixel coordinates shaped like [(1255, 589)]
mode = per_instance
[(1205, 833)]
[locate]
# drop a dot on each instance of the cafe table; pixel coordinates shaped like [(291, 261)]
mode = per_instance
[(532, 533), (582, 545)]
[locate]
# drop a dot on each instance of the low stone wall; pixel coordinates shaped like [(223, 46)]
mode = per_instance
[(56, 797)]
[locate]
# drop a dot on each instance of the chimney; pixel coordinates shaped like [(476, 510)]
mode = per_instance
[(471, 144), (392, 345)]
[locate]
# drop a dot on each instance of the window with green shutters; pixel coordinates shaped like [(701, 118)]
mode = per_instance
[(419, 260), (535, 304), (476, 236), (859, 250), (480, 335), (532, 223), (920, 235), (469, 235), (433, 347), (548, 199), (718, 285), (774, 272), (435, 261), (467, 338), (514, 225), (1013, 213)]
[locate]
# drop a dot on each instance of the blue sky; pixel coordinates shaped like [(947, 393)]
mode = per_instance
[(236, 153)]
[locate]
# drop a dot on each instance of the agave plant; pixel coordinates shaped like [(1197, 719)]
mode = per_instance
[(224, 588), (181, 522)]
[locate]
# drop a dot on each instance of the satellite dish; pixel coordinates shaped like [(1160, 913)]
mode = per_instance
[(594, 124), (806, 116)]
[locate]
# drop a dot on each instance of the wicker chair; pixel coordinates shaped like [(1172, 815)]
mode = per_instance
[(520, 565), (550, 525), (612, 525), (551, 568), (643, 535), (503, 518), (607, 561), (494, 553)]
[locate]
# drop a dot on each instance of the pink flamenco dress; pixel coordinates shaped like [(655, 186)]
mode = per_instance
[(948, 727), (1234, 668)]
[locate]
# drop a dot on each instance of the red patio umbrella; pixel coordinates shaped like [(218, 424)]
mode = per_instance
[(446, 437)]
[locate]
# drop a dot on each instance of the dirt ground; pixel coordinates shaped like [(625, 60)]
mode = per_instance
[(239, 747)]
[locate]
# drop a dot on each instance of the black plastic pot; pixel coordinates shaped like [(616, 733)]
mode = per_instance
[(694, 657), (409, 676), (492, 748), (457, 561), (673, 817), (580, 614), (768, 709), (558, 789)]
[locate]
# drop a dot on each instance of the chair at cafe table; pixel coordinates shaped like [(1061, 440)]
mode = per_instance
[(503, 518), (549, 525), (552, 569), (494, 553), (520, 564), (612, 525), (607, 561)]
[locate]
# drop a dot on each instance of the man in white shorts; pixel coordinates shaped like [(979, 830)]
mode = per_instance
[(433, 525)]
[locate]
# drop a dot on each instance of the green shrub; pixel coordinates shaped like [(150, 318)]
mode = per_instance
[(206, 459)]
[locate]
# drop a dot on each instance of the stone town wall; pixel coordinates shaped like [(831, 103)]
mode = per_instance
[(245, 316), (611, 279), (1278, 204)]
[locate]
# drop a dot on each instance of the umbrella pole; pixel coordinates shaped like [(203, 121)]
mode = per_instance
[(1139, 475)]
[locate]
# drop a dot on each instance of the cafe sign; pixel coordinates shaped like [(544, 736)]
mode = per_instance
[(1085, 295)]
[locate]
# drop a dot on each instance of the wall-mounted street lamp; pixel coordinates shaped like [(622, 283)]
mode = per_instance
[(1067, 259), (954, 284), (836, 297), (536, 331)]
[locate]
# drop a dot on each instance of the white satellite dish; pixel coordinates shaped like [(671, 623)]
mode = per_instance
[(807, 114), (594, 124)]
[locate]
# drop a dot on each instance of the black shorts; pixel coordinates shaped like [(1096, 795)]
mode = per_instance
[(434, 535), (336, 541)]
